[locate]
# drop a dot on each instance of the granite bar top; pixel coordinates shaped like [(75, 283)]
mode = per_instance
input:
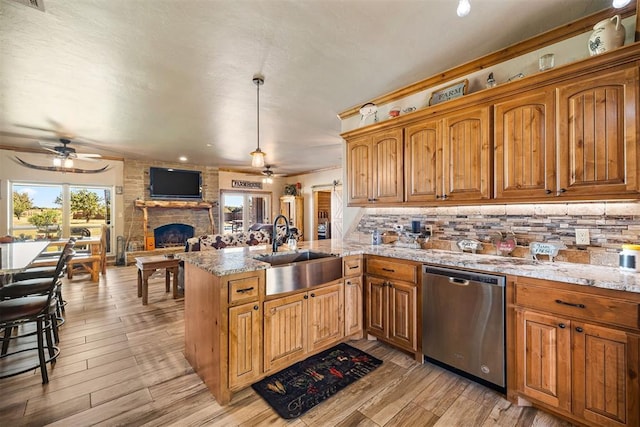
[(238, 260)]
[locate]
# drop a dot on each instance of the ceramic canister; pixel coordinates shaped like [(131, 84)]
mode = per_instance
[(630, 258), (607, 34)]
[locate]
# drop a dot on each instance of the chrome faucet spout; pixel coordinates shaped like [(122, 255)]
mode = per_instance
[(274, 232)]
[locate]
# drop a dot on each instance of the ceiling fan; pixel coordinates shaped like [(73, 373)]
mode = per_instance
[(64, 154), (269, 174)]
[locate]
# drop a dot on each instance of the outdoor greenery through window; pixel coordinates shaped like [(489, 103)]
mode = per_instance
[(58, 211), (242, 210)]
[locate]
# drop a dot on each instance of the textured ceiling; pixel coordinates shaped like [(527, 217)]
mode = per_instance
[(158, 79)]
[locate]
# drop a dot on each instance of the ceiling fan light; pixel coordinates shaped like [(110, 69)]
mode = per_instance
[(57, 162), (620, 3), (267, 180), (464, 7), (257, 158), (68, 163)]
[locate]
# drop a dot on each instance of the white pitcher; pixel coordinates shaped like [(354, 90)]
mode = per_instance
[(607, 34)]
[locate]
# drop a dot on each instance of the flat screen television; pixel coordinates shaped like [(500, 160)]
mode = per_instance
[(167, 183)]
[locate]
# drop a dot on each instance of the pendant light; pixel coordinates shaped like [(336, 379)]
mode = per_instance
[(257, 156)]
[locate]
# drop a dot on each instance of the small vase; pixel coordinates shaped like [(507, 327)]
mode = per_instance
[(607, 34)]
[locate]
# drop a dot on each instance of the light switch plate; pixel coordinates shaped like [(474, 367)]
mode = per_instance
[(582, 237)]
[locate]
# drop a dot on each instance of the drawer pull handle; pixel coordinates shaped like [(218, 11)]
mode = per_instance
[(390, 270), (559, 301), (579, 329), (353, 267), (562, 326), (459, 282), (242, 291)]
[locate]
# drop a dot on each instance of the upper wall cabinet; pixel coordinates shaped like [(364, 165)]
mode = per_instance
[(568, 134), (375, 168), (598, 135), (466, 155), (524, 146)]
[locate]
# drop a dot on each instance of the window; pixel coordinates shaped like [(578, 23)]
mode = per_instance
[(53, 211), (241, 210)]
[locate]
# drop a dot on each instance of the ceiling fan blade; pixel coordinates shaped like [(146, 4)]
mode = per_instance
[(88, 156), (35, 128), (50, 149)]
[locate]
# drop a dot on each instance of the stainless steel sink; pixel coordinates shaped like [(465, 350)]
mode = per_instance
[(295, 271)]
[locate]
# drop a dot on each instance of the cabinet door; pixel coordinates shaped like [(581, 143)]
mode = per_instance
[(388, 176), (423, 161), (245, 347), (285, 330), (353, 303), (524, 146), (326, 318), (543, 358), (605, 375), (359, 173), (597, 135), (403, 314), (376, 306), (467, 155)]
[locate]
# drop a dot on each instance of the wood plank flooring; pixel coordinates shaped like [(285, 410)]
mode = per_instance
[(122, 363)]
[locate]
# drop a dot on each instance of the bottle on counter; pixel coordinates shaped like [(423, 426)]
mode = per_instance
[(376, 237), (630, 258)]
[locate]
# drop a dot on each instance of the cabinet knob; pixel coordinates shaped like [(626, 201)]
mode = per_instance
[(562, 190), (445, 197), (255, 307), (348, 282), (562, 326), (579, 329), (547, 191), (313, 295), (437, 196), (306, 296)]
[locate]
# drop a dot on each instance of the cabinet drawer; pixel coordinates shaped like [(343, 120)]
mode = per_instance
[(392, 269), (352, 266), (579, 305), (244, 289)]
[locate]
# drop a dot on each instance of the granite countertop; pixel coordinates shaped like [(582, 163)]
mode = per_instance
[(237, 260)]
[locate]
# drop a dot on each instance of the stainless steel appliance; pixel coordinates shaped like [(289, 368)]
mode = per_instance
[(463, 323)]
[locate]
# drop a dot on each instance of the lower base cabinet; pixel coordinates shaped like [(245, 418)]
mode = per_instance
[(566, 362), (302, 323), (245, 349)]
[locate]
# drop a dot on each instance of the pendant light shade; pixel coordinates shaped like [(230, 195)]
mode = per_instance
[(257, 156)]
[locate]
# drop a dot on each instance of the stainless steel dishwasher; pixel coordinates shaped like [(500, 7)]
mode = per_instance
[(463, 323)]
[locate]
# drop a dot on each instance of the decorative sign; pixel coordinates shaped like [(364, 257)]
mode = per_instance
[(469, 245), (456, 90), (236, 183), (550, 249)]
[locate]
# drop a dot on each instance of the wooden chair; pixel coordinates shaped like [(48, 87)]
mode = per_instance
[(93, 262)]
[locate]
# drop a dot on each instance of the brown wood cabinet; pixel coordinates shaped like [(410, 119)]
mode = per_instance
[(571, 134), (223, 329), (391, 302), (578, 353), (353, 296), (376, 169), (297, 324), (525, 146), (598, 134)]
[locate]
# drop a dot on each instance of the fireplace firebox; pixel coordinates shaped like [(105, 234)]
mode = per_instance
[(172, 235)]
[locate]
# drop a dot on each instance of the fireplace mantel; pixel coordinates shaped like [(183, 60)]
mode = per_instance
[(146, 204)]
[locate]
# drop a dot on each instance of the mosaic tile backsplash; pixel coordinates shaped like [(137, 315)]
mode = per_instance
[(610, 224)]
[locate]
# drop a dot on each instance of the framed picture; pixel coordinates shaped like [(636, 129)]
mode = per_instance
[(453, 91)]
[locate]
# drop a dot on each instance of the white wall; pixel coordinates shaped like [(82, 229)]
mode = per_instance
[(12, 171)]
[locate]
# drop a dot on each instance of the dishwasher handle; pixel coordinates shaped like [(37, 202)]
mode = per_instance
[(458, 282)]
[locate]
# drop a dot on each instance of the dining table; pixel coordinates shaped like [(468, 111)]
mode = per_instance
[(15, 257)]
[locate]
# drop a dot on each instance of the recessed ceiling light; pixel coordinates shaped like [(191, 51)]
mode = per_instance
[(182, 158), (208, 145)]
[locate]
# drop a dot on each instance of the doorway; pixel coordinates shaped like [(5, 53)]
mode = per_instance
[(322, 214)]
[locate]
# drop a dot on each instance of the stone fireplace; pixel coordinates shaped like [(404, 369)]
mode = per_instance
[(172, 235)]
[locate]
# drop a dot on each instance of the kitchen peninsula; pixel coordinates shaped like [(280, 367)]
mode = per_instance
[(588, 310)]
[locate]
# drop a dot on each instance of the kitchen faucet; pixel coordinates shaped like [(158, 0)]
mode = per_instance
[(274, 232)]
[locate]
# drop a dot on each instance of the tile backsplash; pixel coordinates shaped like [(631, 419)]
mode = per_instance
[(610, 224)]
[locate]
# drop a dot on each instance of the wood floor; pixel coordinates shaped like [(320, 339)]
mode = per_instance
[(122, 363)]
